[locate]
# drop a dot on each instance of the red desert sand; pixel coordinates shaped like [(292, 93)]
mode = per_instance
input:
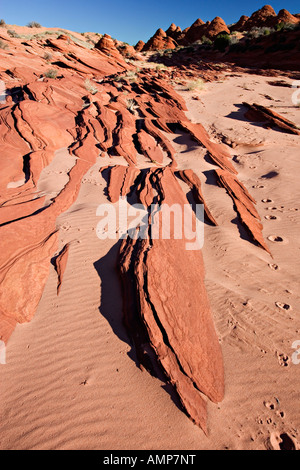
[(141, 343)]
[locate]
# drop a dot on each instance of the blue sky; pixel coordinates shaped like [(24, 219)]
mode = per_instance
[(129, 20)]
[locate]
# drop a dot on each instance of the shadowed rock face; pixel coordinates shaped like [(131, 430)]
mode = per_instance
[(240, 25), (174, 31)]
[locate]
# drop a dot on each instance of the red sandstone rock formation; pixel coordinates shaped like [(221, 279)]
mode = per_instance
[(265, 16), (159, 41), (60, 263), (193, 33), (126, 50), (43, 115), (150, 147), (217, 152), (157, 305), (193, 181), (121, 178), (271, 118), (139, 46), (173, 31), (199, 29), (107, 46), (244, 204), (216, 27), (240, 25), (285, 16)]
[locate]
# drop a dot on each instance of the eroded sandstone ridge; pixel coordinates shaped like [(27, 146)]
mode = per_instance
[(176, 323)]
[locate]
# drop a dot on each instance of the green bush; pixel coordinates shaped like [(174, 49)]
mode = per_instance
[(206, 40), (2, 23), (289, 26), (222, 41)]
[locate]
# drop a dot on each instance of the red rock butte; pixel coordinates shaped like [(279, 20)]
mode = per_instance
[(264, 17)]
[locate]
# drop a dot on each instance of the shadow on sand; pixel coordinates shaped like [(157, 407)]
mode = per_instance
[(111, 305)]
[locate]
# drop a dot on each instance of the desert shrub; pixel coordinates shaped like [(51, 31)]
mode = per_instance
[(132, 106), (257, 32), (197, 43), (34, 24), (289, 26), (3, 45), (51, 73), (12, 33), (222, 41), (279, 26), (161, 67), (47, 56), (233, 40), (77, 41), (2, 22), (206, 40), (131, 76), (267, 32), (189, 49), (195, 85), (90, 87)]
